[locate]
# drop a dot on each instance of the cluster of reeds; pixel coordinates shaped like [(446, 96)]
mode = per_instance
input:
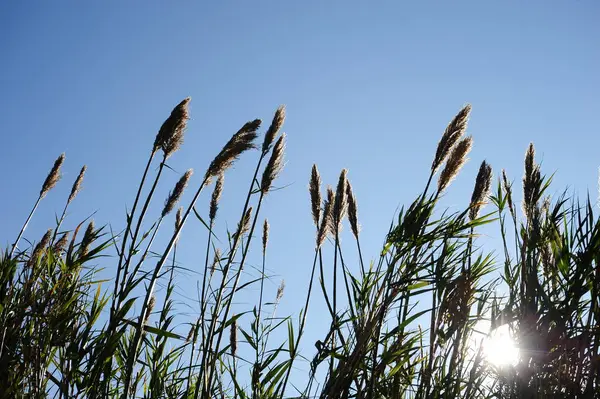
[(410, 323)]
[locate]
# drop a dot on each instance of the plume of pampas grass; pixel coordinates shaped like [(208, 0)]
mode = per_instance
[(452, 134), (77, 184), (170, 135), (87, 239), (216, 196), (352, 210), (531, 182), (326, 224), (40, 247), (483, 183), (240, 142), (53, 176), (340, 204), (274, 166), (455, 162), (216, 260), (60, 245), (265, 236), (276, 125), (280, 290), (175, 195), (314, 188), (244, 224)]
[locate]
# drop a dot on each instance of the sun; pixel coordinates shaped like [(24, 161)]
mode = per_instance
[(500, 349)]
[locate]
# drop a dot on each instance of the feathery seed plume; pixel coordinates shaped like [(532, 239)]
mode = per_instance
[(53, 177), (244, 224), (457, 159), (170, 135), (274, 166), (341, 201), (191, 333), (216, 196), (87, 239), (314, 188), (531, 181), (265, 237), (241, 141), (174, 195), (280, 291), (278, 120), (452, 134), (326, 220), (61, 244), (352, 210), (481, 190), (77, 185), (233, 338), (40, 247), (178, 217)]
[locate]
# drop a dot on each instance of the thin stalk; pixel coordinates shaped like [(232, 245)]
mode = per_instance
[(14, 246)]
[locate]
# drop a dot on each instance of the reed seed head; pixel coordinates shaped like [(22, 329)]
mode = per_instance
[(280, 290), (455, 162), (53, 177), (314, 188), (77, 185), (276, 125), (88, 238), (274, 166), (244, 224), (508, 190), (233, 338), (531, 182), (240, 142), (481, 190), (175, 195), (40, 247), (265, 236), (340, 205), (352, 210), (60, 245), (170, 135), (326, 224), (216, 196), (191, 333), (454, 131)]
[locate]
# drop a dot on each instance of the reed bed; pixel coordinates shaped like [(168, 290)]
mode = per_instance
[(414, 321)]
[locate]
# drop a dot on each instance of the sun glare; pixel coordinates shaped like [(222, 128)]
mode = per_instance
[(500, 349)]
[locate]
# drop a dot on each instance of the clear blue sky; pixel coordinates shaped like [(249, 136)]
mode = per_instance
[(369, 86)]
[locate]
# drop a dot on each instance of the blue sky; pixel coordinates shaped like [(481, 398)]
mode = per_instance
[(368, 86)]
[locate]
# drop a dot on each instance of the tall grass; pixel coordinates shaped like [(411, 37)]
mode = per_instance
[(411, 322)]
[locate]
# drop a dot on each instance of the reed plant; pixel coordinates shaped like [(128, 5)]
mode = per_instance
[(414, 321)]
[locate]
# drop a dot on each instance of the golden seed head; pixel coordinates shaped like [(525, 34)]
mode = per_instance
[(53, 177), (216, 196), (455, 162), (454, 131), (88, 238), (175, 195), (314, 188), (240, 142), (61, 244), (276, 125), (280, 290), (326, 225), (274, 166), (340, 205), (352, 210), (170, 135), (40, 247), (216, 261), (244, 224), (481, 190), (77, 185), (265, 236), (531, 182)]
